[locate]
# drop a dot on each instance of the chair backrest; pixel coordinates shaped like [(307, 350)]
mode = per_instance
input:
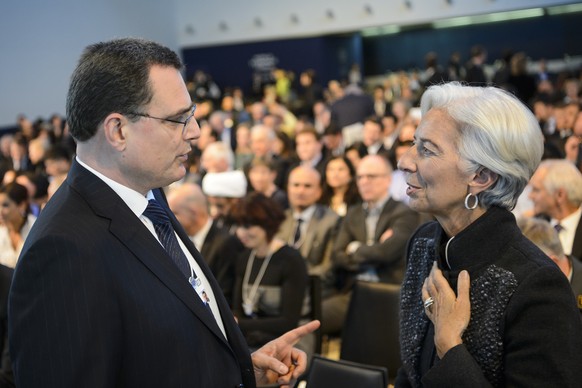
[(326, 373), (370, 333)]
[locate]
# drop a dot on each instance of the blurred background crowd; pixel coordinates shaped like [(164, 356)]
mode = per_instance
[(295, 182)]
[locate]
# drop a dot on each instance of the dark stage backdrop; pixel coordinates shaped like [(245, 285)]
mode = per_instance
[(331, 57), (549, 37), (235, 65)]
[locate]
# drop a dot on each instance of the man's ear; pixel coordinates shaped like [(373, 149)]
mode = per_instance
[(561, 196), (114, 130), (483, 179)]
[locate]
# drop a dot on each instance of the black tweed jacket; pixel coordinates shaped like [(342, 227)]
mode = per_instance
[(525, 327)]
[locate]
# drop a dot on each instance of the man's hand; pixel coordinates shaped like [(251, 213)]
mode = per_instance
[(386, 235), (278, 361)]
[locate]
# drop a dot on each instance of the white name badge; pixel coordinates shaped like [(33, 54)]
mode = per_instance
[(199, 288)]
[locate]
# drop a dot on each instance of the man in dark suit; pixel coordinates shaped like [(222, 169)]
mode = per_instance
[(109, 291), (371, 241), (218, 247), (308, 147), (556, 192), (372, 138), (541, 233)]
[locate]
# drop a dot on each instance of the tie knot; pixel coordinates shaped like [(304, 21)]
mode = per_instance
[(558, 228), (155, 213)]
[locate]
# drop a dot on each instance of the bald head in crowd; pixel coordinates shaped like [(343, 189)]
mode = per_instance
[(217, 157), (190, 206), (303, 187)]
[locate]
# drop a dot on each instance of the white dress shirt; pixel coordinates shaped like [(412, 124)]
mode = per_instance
[(568, 232)]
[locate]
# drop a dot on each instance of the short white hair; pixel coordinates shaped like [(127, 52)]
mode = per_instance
[(563, 174), (220, 151), (496, 131), (263, 130)]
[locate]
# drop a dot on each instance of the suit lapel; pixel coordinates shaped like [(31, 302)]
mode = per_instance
[(287, 227), (131, 231), (311, 231)]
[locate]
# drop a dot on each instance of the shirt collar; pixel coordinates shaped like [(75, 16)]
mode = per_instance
[(305, 215), (134, 200), (378, 206), (313, 162), (570, 223), (373, 149)]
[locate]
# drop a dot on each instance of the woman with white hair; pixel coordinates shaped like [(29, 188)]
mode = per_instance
[(480, 304)]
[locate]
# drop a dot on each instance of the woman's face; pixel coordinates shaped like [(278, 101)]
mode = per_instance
[(261, 178), (337, 173), (9, 211), (436, 183), (251, 236)]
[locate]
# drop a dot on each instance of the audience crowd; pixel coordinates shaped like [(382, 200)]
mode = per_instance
[(299, 179)]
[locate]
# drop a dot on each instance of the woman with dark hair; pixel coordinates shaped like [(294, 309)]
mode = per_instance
[(261, 174), (339, 185), (16, 221), (271, 277)]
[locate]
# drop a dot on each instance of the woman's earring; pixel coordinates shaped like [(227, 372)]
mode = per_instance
[(467, 202)]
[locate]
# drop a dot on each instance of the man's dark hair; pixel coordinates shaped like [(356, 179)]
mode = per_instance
[(113, 77)]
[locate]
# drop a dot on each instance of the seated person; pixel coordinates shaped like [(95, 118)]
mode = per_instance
[(339, 189), (261, 175), (541, 233), (309, 226), (16, 220), (371, 241), (217, 246), (271, 277)]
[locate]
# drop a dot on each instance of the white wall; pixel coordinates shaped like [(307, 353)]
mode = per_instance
[(41, 41), (199, 22)]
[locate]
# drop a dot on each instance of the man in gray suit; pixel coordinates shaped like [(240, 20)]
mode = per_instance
[(371, 241), (309, 227)]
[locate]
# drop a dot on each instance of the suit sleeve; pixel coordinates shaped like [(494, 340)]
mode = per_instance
[(345, 235), (51, 282), (403, 222)]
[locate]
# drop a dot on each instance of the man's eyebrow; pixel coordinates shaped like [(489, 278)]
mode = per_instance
[(183, 111)]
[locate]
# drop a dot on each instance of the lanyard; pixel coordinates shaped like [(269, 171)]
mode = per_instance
[(250, 296)]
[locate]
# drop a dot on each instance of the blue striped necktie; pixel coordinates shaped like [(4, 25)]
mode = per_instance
[(167, 236)]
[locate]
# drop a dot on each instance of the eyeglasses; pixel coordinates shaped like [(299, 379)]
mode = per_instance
[(183, 122)]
